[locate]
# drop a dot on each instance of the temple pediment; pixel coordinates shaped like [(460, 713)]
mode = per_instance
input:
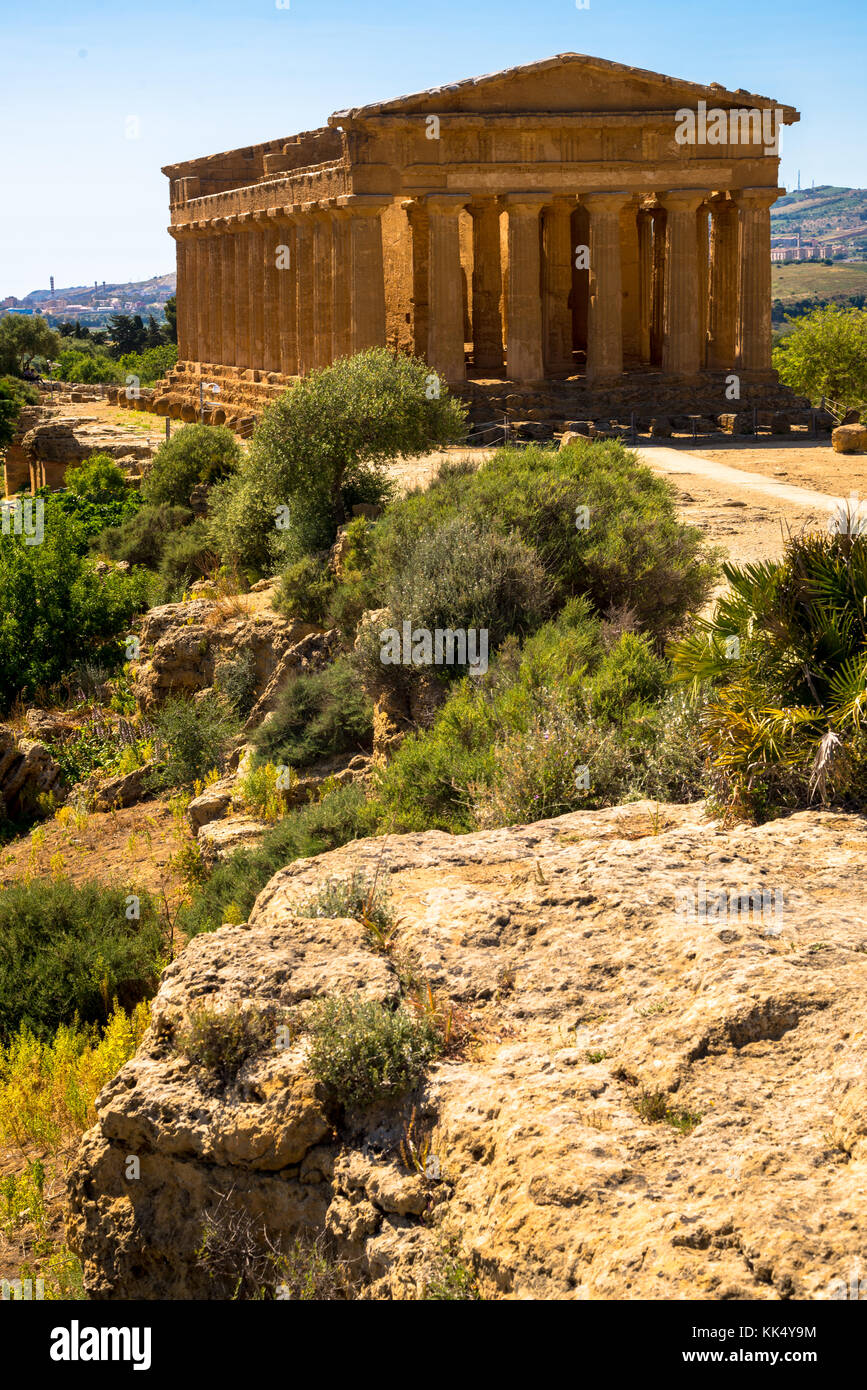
[(568, 83)]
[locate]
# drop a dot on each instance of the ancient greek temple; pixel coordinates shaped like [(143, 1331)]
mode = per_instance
[(559, 222)]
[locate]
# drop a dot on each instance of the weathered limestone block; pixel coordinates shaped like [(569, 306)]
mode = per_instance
[(740, 422), (849, 439), (27, 771)]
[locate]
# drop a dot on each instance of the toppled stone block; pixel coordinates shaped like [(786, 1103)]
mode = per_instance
[(849, 439), (739, 422)]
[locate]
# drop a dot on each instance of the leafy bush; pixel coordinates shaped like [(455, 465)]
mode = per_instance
[(366, 1052), (229, 893), (55, 609), (317, 715), (825, 354), (784, 662), (222, 1040), (633, 554), (10, 409), (87, 368), (508, 748), (187, 555), (97, 479), (460, 576), (323, 447), (194, 454), (238, 679), (149, 366), (192, 736), (306, 589), (357, 896), (142, 538), (68, 950)]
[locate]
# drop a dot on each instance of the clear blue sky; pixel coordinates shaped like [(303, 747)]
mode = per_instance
[(81, 201)]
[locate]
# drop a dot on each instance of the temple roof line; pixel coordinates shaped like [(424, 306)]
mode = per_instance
[(584, 61)]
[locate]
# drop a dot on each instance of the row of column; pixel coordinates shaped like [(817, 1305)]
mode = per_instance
[(285, 289), (701, 301)]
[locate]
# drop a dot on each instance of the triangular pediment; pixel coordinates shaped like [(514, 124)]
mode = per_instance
[(569, 82)]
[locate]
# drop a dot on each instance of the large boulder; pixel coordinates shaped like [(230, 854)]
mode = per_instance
[(849, 439), (659, 1095)]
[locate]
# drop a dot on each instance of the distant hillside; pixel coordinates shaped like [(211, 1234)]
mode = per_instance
[(158, 287), (827, 213)]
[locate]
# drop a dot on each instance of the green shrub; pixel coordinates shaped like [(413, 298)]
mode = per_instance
[(323, 447), (194, 454), (365, 1052), (634, 554), (10, 409), (222, 1040), (825, 354), (187, 555), (357, 896), (55, 610), (68, 950), (97, 479), (230, 891), (86, 368), (149, 366), (238, 679), (459, 576), (316, 716), (306, 589), (508, 748), (192, 736), (141, 539)]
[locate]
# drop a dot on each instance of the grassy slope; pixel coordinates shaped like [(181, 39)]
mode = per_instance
[(799, 280)]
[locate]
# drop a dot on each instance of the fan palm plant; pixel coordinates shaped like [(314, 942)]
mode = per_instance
[(782, 668)]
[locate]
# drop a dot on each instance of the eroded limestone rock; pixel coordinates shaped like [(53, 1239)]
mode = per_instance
[(601, 991)]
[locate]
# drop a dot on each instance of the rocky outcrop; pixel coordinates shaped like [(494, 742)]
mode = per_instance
[(662, 1094), (27, 772), (183, 646)]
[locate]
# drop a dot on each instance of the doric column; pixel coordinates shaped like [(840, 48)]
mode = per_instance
[(629, 282), (645, 283), (341, 284), (270, 292), (657, 292), (200, 236), (367, 275), (445, 338), (282, 243), (754, 278), (524, 360), (702, 254), (680, 339), (419, 229), (215, 294), (557, 284), (322, 271), (487, 286), (225, 253), (723, 291), (243, 347), (256, 270), (304, 289), (605, 325), (184, 291)]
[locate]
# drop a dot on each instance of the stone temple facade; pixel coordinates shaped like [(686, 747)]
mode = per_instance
[(541, 234)]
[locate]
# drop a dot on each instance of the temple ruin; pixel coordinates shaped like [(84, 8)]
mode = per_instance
[(544, 234)]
